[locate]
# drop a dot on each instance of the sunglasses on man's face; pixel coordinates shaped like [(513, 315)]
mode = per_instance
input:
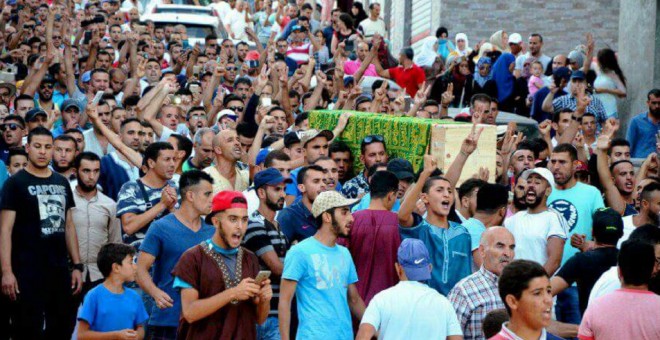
[(236, 108), (373, 138), (231, 68), (47, 86), (10, 126)]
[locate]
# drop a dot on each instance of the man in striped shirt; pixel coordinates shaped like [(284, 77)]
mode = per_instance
[(266, 240), (299, 47), (476, 295)]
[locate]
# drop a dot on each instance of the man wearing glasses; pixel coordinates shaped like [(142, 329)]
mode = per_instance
[(13, 130), (372, 151)]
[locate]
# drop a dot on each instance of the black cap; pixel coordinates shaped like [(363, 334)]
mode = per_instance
[(48, 79), (32, 114), (291, 138), (607, 226), (401, 168)]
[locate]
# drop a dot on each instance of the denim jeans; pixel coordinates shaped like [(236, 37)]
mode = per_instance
[(269, 330), (568, 306)]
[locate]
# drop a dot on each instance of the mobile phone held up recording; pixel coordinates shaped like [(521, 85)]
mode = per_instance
[(262, 276), (97, 97), (88, 37)]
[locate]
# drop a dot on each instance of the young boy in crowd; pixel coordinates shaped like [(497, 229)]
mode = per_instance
[(110, 311)]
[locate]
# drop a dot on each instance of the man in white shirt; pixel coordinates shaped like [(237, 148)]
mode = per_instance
[(535, 46), (389, 312), (540, 231), (237, 20), (373, 24)]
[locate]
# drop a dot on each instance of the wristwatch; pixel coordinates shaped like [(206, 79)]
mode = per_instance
[(79, 267)]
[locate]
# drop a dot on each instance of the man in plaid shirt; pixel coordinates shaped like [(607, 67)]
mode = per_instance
[(570, 101), (476, 295)]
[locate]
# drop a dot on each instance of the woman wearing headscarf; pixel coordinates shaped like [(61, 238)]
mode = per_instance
[(459, 74), (462, 46), (505, 81), (445, 46), (483, 50), (483, 78), (500, 41), (427, 54)]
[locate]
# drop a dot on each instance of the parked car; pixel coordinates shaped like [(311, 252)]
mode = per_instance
[(200, 21)]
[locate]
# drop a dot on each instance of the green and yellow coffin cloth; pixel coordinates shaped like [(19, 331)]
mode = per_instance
[(411, 138)]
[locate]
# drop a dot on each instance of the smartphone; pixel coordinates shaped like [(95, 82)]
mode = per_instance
[(88, 36), (265, 102), (194, 88), (253, 63), (196, 70), (97, 97), (263, 275)]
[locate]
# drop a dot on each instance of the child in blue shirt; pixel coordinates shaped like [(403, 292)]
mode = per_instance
[(109, 307)]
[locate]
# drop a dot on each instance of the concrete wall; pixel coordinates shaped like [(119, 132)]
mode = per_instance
[(562, 23), (638, 54)]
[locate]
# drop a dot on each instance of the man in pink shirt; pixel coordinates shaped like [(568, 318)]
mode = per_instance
[(630, 312), (352, 66)]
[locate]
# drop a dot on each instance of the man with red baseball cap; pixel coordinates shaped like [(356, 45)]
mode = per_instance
[(220, 298)]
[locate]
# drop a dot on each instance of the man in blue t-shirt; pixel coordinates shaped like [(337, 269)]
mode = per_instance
[(448, 242), (577, 202), (644, 127), (166, 240), (322, 276)]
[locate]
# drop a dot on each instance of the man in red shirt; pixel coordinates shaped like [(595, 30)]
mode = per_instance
[(407, 75)]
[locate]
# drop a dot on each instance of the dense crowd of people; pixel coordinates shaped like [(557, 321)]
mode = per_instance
[(153, 187)]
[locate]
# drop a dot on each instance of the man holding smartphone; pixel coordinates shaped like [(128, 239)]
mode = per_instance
[(266, 240)]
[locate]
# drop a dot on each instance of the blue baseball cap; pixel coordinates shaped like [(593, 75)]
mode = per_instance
[(296, 28), (261, 156), (562, 73), (414, 257), (270, 176), (578, 75)]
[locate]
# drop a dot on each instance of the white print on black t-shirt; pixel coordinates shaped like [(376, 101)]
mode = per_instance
[(51, 214)]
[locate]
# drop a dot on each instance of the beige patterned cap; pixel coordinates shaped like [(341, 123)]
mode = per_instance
[(310, 134), (328, 200)]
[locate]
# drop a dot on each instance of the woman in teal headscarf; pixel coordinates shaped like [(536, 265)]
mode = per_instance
[(445, 46)]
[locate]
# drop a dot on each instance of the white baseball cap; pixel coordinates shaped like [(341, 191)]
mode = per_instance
[(515, 38), (543, 172)]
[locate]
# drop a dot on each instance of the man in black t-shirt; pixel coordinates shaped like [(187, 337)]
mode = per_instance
[(586, 268), (37, 237)]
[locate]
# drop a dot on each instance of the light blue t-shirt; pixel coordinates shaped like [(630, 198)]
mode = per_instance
[(167, 239), (577, 205), (475, 228), (449, 249), (323, 274), (106, 311), (3, 174)]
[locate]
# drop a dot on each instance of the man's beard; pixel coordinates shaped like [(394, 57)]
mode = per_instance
[(519, 203), (86, 188), (655, 113), (536, 203), (61, 169), (275, 205), (337, 229)]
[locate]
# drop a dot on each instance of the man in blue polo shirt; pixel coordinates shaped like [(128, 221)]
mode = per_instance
[(296, 220), (644, 127)]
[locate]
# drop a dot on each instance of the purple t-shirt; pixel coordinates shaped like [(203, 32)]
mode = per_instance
[(373, 244)]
